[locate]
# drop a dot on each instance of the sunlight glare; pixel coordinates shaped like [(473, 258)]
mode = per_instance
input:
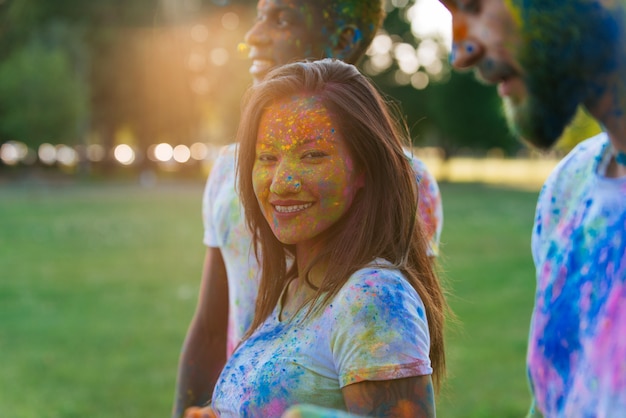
[(429, 18)]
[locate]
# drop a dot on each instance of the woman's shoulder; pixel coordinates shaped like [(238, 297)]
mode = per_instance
[(378, 278), (380, 269)]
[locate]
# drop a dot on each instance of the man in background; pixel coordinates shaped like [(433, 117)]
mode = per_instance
[(547, 57), (285, 31)]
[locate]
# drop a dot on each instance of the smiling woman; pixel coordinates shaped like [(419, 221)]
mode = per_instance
[(304, 177), (350, 311)]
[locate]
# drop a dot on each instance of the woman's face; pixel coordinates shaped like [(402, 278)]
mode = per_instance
[(303, 175)]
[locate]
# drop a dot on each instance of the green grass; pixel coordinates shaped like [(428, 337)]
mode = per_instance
[(486, 259), (98, 284)]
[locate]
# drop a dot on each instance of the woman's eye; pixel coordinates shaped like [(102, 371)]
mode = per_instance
[(314, 154), (266, 158)]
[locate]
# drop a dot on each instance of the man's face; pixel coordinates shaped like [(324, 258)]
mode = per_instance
[(534, 54), (289, 30)]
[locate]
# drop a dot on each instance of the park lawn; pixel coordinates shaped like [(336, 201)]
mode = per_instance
[(98, 284), (487, 263)]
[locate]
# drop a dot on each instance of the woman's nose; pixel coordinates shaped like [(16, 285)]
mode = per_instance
[(285, 182)]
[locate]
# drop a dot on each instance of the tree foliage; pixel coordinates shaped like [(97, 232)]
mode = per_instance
[(40, 99), (102, 66)]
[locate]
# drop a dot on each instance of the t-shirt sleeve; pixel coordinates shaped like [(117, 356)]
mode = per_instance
[(216, 179), (381, 331), (429, 205)]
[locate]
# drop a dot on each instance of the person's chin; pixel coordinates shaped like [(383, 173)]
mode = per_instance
[(527, 122)]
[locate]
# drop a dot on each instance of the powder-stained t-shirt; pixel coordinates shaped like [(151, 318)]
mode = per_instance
[(577, 346), (225, 227), (374, 329)]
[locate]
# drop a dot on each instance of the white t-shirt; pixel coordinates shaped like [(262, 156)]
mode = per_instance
[(374, 329), (577, 346)]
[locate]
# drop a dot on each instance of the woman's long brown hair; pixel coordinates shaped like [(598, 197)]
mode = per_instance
[(383, 220)]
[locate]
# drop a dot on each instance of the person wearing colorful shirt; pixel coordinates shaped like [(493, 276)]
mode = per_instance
[(285, 30), (547, 58), (350, 311)]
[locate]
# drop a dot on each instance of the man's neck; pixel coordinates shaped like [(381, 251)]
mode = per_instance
[(610, 112)]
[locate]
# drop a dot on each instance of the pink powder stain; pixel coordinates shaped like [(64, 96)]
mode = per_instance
[(607, 351), (557, 287), (275, 408)]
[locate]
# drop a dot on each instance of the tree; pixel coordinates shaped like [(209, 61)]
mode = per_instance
[(40, 99)]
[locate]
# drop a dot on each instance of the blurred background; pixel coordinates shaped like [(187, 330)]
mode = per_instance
[(111, 113), (152, 88)]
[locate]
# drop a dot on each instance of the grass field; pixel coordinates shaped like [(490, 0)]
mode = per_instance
[(98, 283)]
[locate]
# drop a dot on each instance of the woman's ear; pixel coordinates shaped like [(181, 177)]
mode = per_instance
[(348, 39)]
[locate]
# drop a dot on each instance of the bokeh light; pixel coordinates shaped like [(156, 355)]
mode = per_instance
[(419, 80), (95, 152), (12, 152), (219, 56), (199, 33), (407, 58), (163, 152), (199, 151), (66, 156), (230, 21), (47, 153), (181, 153), (124, 154)]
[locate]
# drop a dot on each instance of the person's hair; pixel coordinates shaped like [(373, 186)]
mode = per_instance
[(366, 16), (383, 220), (568, 49)]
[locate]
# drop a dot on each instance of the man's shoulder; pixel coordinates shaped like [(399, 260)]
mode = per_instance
[(228, 151), (574, 175), (417, 164), (591, 149), (224, 163)]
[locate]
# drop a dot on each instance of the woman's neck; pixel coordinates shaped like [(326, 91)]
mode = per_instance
[(303, 288), (305, 254)]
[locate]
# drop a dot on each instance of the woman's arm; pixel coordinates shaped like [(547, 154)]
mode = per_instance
[(410, 397)]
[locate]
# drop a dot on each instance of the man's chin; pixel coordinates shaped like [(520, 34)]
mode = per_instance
[(528, 124)]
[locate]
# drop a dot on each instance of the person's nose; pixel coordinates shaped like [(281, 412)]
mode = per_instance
[(285, 180), (258, 34), (467, 50)]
